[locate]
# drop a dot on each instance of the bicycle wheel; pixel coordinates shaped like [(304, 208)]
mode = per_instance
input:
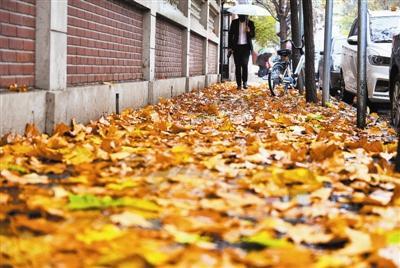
[(274, 77)]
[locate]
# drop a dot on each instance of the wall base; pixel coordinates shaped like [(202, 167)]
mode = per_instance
[(166, 88), (18, 109), (91, 102), (196, 82)]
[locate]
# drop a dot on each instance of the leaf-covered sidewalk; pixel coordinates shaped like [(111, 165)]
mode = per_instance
[(216, 178)]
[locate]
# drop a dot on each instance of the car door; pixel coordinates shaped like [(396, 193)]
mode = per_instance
[(349, 61)]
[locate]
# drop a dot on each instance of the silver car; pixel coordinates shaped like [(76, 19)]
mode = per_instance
[(336, 62), (381, 25)]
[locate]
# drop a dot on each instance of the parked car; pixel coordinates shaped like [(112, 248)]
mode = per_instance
[(336, 62), (394, 81), (381, 25)]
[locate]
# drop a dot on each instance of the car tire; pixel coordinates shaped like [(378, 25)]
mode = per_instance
[(395, 102), (345, 95), (335, 90)]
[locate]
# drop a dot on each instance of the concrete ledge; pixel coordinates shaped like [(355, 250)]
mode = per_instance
[(197, 28), (90, 102), (132, 95), (18, 109), (196, 82), (166, 88), (168, 11), (212, 79), (82, 103), (213, 37)]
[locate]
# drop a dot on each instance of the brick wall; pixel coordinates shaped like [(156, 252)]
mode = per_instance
[(17, 42), (104, 41), (212, 58), (196, 55), (169, 50)]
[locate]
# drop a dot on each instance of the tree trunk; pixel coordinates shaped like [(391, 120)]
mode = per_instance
[(311, 93), (296, 38), (283, 30)]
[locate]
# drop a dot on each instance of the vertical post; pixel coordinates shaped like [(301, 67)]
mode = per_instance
[(149, 45), (206, 13), (361, 64), (51, 44), (301, 22), (301, 17), (327, 52), (218, 27), (186, 42), (296, 37), (221, 34)]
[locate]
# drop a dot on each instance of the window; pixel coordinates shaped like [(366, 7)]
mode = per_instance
[(382, 29), (354, 28)]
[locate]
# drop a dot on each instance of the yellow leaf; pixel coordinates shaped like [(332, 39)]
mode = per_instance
[(119, 155), (336, 261), (227, 126), (180, 149), (26, 251), (79, 155), (184, 237), (265, 238), (79, 179), (122, 185), (106, 233), (212, 162)]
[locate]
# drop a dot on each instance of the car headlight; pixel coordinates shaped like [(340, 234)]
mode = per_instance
[(379, 60)]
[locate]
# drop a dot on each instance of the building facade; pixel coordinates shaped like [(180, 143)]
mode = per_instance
[(85, 58)]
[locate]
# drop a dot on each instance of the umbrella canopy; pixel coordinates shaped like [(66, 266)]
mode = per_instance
[(245, 7)]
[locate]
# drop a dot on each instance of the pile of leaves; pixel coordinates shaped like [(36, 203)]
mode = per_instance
[(18, 88), (213, 178)]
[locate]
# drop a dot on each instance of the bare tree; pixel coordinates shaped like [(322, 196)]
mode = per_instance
[(279, 10), (311, 93)]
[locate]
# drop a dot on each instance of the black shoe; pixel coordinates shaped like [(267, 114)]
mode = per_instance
[(239, 88), (245, 85)]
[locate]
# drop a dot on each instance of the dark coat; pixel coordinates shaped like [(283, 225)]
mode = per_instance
[(234, 34)]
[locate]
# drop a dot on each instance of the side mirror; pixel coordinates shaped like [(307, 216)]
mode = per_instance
[(352, 40), (321, 53)]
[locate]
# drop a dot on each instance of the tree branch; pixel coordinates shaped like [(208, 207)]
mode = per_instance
[(268, 8)]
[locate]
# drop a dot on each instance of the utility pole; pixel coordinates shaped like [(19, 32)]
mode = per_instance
[(361, 64), (327, 52), (296, 38), (301, 17), (311, 93)]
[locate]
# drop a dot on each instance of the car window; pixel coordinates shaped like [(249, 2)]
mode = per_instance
[(382, 29), (354, 28)]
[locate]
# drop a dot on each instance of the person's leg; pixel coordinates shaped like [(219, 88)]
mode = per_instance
[(245, 64), (238, 69)]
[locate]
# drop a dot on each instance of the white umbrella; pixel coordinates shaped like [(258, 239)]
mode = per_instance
[(245, 7)]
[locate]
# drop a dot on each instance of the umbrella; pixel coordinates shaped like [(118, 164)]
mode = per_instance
[(246, 8)]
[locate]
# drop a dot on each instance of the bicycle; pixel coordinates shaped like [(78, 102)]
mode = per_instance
[(282, 70)]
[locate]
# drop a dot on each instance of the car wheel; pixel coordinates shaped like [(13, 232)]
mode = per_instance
[(344, 94), (395, 103)]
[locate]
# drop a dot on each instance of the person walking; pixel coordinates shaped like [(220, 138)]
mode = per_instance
[(241, 32)]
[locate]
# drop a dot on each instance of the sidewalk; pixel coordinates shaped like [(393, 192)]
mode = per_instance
[(212, 178)]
